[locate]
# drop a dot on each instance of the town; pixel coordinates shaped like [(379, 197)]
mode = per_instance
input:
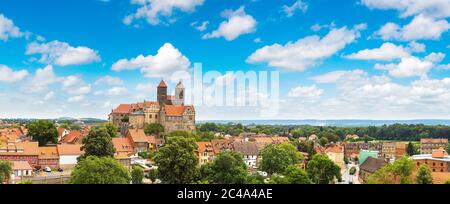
[(160, 142)]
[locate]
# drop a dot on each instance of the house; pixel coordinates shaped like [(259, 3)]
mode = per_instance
[(62, 132), (313, 137), (220, 145), (20, 151), (48, 157), (139, 140), (369, 166), (154, 142), (68, 154), (364, 154), (124, 149), (205, 152), (335, 153), (427, 145), (74, 137), (351, 137), (400, 149), (388, 150), (438, 161), (249, 151), (21, 170)]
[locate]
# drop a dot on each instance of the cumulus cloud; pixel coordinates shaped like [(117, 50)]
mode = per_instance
[(42, 79), (166, 62), (306, 52), (298, 5), (75, 99), (117, 91), (74, 85), (408, 67), (421, 27), (387, 51), (433, 8), (62, 54), (238, 23), (305, 92), (157, 11), (109, 80), (9, 75), (8, 29)]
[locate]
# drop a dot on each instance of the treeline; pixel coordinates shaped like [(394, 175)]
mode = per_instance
[(406, 132)]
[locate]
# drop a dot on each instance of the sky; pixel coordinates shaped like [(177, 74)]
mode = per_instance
[(347, 59)]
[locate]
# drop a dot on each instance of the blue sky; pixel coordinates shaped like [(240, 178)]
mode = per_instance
[(349, 59)]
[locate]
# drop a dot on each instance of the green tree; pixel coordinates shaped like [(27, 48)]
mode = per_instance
[(137, 175), (43, 131), (424, 175), (410, 149), (398, 172), (295, 175), (277, 157), (278, 179), (98, 143), (177, 161), (447, 182), (5, 171), (255, 178), (99, 170), (323, 141), (153, 175), (448, 148), (111, 129), (153, 129), (227, 168), (321, 170)]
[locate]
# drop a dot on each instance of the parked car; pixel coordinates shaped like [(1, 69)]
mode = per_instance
[(60, 170), (47, 169)]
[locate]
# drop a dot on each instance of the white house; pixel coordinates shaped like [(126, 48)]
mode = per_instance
[(249, 152), (20, 170), (68, 154)]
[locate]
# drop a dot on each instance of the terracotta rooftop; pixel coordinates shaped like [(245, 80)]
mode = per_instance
[(433, 140), (48, 152), (335, 149), (19, 148), (69, 149), (123, 144), (129, 108), (371, 164), (137, 135), (72, 137), (204, 147), (439, 153), (21, 165), (173, 110), (162, 84)]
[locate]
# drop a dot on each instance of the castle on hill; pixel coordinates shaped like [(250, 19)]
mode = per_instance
[(169, 111)]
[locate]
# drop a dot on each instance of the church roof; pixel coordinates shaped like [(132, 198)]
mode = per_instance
[(180, 85), (175, 110), (162, 84)]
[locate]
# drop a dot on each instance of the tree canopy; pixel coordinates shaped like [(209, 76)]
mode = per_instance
[(398, 172), (99, 170), (5, 170), (111, 129), (227, 168), (153, 129), (424, 175), (98, 143), (137, 175), (177, 161), (277, 157), (43, 131), (321, 170)]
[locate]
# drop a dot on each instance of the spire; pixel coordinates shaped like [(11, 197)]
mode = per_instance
[(162, 84), (180, 85)]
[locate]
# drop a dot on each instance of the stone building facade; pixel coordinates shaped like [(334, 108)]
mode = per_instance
[(169, 111)]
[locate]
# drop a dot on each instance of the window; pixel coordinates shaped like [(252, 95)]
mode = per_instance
[(434, 164), (150, 116), (442, 164), (434, 170)]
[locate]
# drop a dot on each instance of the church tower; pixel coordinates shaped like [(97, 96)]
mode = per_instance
[(179, 94), (162, 93)]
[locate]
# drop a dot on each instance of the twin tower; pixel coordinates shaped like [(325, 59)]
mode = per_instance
[(164, 99)]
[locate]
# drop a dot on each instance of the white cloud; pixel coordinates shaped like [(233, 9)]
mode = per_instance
[(305, 92), (42, 79), (433, 8), (74, 85), (8, 29), (298, 5), (238, 23), (306, 52), (62, 54), (117, 91), (49, 95), (157, 11), (166, 62), (416, 47), (109, 80), (421, 27), (435, 57), (387, 51), (408, 67), (75, 99), (257, 40), (317, 27), (147, 87), (202, 27), (9, 75)]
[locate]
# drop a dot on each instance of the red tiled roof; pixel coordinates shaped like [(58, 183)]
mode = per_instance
[(48, 152), (180, 85), (129, 108), (21, 165), (433, 140), (122, 144), (69, 149), (72, 137), (137, 135), (162, 84), (204, 147), (173, 110), (439, 153)]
